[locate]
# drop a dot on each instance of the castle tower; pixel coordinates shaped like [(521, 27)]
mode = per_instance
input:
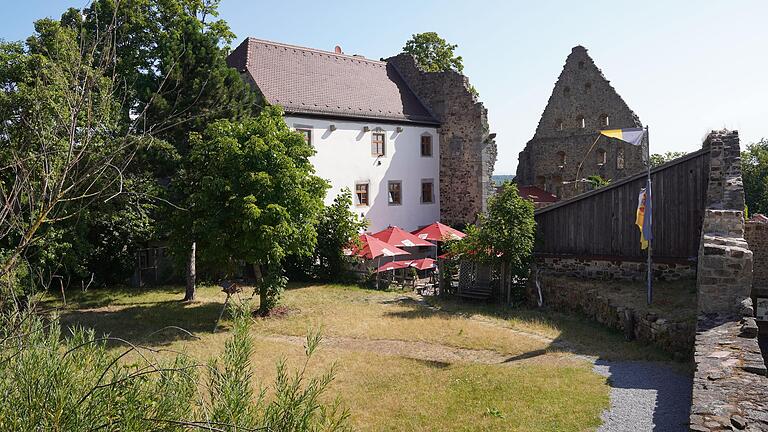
[(582, 103)]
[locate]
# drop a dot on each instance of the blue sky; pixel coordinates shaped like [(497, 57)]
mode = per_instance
[(684, 67)]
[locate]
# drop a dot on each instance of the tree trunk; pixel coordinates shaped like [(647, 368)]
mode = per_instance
[(259, 281), (189, 295)]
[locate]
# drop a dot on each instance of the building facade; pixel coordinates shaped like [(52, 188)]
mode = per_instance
[(567, 147), (412, 147)]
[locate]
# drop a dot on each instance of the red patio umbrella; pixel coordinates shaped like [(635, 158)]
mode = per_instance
[(394, 265), (371, 247), (423, 264), (438, 232), (399, 237)]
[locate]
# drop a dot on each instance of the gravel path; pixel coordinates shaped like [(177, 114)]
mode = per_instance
[(645, 396)]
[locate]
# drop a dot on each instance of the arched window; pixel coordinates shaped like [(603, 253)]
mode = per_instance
[(602, 157), (581, 122), (559, 125), (605, 121), (561, 158)]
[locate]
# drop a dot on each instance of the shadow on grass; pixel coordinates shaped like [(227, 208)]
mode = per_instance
[(142, 323), (577, 334), (629, 365)]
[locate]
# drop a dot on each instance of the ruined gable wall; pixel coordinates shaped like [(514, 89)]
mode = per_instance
[(467, 152), (580, 91)]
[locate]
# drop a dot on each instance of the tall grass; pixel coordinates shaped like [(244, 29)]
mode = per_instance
[(56, 380)]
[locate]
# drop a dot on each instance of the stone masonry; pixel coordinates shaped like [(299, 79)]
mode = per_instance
[(725, 261), (598, 300), (582, 103), (603, 269), (467, 149), (730, 387), (756, 234)]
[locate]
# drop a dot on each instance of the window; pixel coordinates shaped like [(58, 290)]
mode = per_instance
[(567, 91), (605, 121), (601, 157), (581, 122), (587, 86), (561, 157), (620, 159), (541, 181), (427, 191), (307, 134), (559, 124), (361, 192), (581, 65), (395, 194), (378, 144), (426, 145)]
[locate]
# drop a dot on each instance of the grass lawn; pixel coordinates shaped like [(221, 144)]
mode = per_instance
[(539, 387)]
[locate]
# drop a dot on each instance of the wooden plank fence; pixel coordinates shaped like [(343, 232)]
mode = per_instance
[(601, 224)]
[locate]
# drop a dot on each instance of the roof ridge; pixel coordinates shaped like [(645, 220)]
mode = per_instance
[(316, 50)]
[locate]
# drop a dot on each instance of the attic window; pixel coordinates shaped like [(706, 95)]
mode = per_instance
[(567, 91), (587, 86), (581, 122), (581, 65), (605, 120)]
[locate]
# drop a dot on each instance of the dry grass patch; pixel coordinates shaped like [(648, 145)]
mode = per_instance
[(541, 390)]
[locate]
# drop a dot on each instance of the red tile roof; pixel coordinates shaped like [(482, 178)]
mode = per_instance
[(536, 194), (310, 81)]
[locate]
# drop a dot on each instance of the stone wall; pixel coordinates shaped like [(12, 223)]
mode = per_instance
[(756, 234), (616, 269), (605, 303), (467, 149), (725, 261), (730, 387), (563, 149)]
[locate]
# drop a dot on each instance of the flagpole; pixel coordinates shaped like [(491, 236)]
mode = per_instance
[(649, 206)]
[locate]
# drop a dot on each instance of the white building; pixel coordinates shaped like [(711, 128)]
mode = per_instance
[(372, 134)]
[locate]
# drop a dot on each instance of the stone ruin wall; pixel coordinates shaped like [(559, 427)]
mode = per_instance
[(580, 91), (756, 234), (730, 387), (674, 334), (604, 269), (467, 149)]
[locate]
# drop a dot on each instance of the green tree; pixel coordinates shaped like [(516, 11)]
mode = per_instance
[(435, 54), (337, 228), (170, 61), (63, 148), (660, 159), (505, 235), (252, 196), (754, 173)]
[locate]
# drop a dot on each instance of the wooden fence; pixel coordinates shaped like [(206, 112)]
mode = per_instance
[(601, 224)]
